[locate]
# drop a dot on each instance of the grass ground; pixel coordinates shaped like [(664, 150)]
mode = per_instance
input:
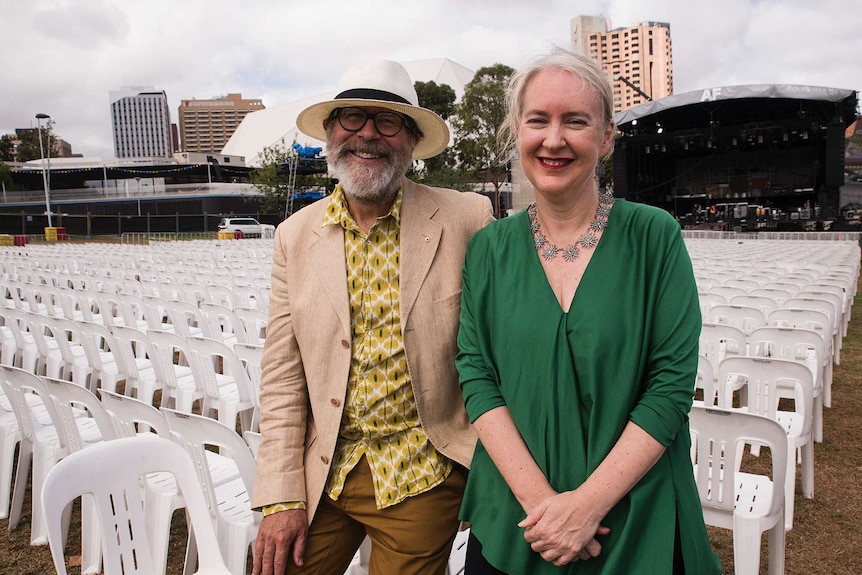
[(826, 538)]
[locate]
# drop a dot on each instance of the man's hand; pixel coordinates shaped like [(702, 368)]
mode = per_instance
[(278, 534)]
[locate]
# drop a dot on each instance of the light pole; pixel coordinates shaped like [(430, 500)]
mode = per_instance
[(39, 118)]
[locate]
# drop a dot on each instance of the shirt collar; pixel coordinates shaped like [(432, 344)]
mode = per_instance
[(337, 213)]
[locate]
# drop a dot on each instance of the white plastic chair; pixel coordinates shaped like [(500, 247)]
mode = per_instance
[(10, 437), (251, 356), (746, 503), (221, 323), (77, 433), (41, 328), (254, 322), (761, 302), (26, 352), (803, 301), (814, 320), (130, 418), (133, 346), (777, 295), (186, 318), (743, 317), (796, 344), (41, 445), (101, 347), (764, 379), (77, 366), (230, 502), (111, 473), (171, 358), (226, 385), (705, 380), (717, 341)]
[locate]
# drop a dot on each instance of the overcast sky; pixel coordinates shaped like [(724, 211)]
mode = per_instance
[(62, 57)]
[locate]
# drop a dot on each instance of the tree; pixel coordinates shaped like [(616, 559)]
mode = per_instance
[(475, 122), (439, 98), (441, 169), (5, 174), (273, 178), (28, 144), (7, 148)]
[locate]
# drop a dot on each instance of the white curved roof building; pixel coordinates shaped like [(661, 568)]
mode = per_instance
[(270, 126)]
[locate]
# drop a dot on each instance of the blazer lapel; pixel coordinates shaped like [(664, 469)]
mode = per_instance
[(420, 238), (327, 258)]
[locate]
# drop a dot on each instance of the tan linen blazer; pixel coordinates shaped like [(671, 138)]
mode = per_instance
[(307, 353)]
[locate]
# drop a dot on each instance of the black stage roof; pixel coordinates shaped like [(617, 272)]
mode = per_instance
[(755, 103), (774, 145)]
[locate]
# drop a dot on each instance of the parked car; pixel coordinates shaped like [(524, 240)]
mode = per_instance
[(248, 227)]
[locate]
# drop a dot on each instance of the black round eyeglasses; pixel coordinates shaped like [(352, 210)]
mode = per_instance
[(386, 123)]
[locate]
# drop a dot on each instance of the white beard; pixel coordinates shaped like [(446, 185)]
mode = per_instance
[(367, 184)]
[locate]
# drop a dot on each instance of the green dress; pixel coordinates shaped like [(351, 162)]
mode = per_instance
[(625, 351)]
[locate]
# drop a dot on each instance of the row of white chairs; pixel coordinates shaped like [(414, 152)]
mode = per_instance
[(79, 421)]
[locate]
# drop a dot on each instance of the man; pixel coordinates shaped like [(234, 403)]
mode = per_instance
[(363, 423)]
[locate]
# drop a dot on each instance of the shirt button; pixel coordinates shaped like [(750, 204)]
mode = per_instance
[(335, 402), (324, 459), (345, 344)]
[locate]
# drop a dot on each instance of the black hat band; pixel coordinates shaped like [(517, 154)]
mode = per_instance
[(371, 94)]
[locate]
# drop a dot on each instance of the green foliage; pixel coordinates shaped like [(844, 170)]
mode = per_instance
[(28, 144), (439, 98), (441, 170), (5, 174), (475, 122), (272, 179), (7, 148)]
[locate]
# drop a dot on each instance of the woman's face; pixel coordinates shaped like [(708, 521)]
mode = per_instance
[(562, 133)]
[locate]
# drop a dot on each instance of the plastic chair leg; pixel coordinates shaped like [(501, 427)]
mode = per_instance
[(91, 545), (746, 546), (808, 470), (775, 549)]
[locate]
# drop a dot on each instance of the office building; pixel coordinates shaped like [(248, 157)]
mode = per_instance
[(141, 122), (638, 60), (207, 125)]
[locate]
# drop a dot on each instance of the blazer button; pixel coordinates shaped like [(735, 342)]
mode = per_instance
[(345, 344), (335, 402), (324, 459)]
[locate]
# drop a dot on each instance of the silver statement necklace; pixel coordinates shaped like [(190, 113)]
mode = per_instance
[(588, 239)]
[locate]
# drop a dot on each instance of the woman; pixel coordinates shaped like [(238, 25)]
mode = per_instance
[(578, 339)]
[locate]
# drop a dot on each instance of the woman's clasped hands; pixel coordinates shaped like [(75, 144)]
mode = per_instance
[(563, 528)]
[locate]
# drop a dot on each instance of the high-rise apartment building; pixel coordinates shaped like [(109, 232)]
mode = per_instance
[(207, 125), (142, 122), (638, 60)]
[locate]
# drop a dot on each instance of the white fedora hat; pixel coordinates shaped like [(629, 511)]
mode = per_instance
[(383, 84)]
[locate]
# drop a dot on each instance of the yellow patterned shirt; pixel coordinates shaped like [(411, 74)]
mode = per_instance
[(380, 419)]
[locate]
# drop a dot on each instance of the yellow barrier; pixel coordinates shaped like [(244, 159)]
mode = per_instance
[(7, 240), (226, 235), (50, 234)]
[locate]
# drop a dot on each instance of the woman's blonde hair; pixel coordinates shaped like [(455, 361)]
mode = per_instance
[(579, 65)]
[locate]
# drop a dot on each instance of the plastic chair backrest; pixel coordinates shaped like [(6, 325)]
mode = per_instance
[(195, 433), (791, 343), (126, 412), (764, 378), (744, 317), (718, 341), (110, 472), (205, 350), (719, 437), (68, 395)]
